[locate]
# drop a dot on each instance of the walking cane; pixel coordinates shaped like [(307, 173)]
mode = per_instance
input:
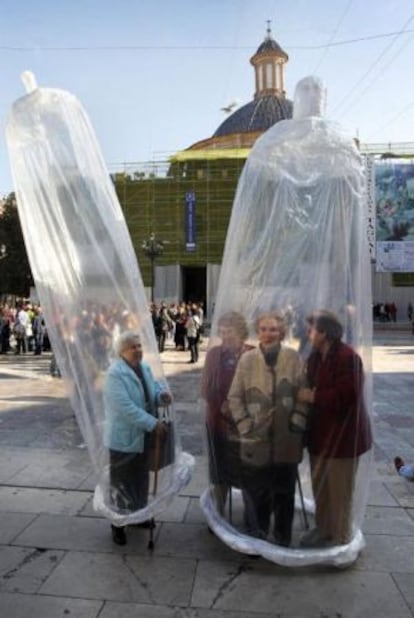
[(230, 505), (154, 487), (302, 501)]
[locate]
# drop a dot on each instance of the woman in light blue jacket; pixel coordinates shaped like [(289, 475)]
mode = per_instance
[(131, 396)]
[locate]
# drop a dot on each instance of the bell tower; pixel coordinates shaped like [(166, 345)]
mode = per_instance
[(268, 63)]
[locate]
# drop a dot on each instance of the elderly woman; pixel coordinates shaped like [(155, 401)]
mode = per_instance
[(220, 365), (261, 401), (340, 429), (130, 400)]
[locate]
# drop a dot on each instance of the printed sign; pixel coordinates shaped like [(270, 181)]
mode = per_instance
[(394, 195), (190, 221)]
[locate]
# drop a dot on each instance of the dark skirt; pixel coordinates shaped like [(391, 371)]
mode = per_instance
[(270, 490), (129, 478), (224, 459)]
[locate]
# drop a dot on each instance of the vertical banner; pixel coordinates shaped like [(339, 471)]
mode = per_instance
[(190, 221), (369, 165), (394, 196)]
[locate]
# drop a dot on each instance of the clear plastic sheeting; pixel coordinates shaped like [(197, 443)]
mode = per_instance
[(339, 556), (91, 292), (287, 388)]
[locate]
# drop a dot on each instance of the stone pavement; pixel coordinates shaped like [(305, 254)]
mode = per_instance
[(57, 558)]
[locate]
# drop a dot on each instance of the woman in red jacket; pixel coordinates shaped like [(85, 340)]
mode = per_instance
[(340, 429)]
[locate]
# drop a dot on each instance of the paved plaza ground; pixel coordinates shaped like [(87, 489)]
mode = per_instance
[(57, 558)]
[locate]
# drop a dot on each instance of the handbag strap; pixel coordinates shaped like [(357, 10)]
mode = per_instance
[(164, 413)]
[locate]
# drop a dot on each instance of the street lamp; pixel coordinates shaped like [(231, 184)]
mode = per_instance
[(3, 253), (152, 248)]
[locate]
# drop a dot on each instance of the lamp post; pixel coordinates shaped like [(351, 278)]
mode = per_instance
[(152, 248), (3, 255)]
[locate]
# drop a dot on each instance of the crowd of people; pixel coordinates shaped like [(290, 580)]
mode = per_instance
[(385, 312), (183, 323), (264, 405), (23, 329)]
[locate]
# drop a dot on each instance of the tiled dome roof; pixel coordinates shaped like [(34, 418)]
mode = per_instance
[(258, 115), (269, 44)]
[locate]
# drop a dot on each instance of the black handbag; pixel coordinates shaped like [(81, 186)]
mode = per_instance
[(299, 413), (162, 448), (299, 420)]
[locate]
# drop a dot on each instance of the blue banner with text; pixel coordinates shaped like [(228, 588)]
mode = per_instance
[(190, 221)]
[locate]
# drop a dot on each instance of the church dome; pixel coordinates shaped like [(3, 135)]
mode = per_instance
[(258, 115), (269, 105)]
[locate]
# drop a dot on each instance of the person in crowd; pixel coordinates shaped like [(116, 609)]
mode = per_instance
[(220, 365), (383, 316), (31, 312), (393, 311), (172, 312), (180, 331), (261, 401), (46, 341), (192, 326), (5, 336), (100, 340), (39, 329), (156, 322), (165, 326), (130, 399), (403, 469), (4, 331), (21, 328), (199, 310), (340, 430)]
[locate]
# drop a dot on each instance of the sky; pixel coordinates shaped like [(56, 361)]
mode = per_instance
[(153, 75)]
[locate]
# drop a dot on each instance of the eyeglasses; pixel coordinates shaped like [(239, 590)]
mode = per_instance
[(271, 329)]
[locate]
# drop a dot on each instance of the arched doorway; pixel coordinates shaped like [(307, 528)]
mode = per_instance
[(194, 282)]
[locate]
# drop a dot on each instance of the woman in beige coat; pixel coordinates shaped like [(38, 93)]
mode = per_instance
[(261, 401)]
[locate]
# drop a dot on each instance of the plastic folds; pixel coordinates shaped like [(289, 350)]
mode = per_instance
[(91, 292), (287, 388)]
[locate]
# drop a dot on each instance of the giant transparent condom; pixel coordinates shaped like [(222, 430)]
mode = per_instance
[(296, 245), (86, 275)]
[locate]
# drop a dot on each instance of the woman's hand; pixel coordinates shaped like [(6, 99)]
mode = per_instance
[(165, 397), (306, 395), (225, 409)]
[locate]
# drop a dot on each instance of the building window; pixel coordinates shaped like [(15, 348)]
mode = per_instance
[(260, 76), (269, 75)]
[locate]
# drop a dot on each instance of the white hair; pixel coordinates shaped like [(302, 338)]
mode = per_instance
[(125, 339)]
